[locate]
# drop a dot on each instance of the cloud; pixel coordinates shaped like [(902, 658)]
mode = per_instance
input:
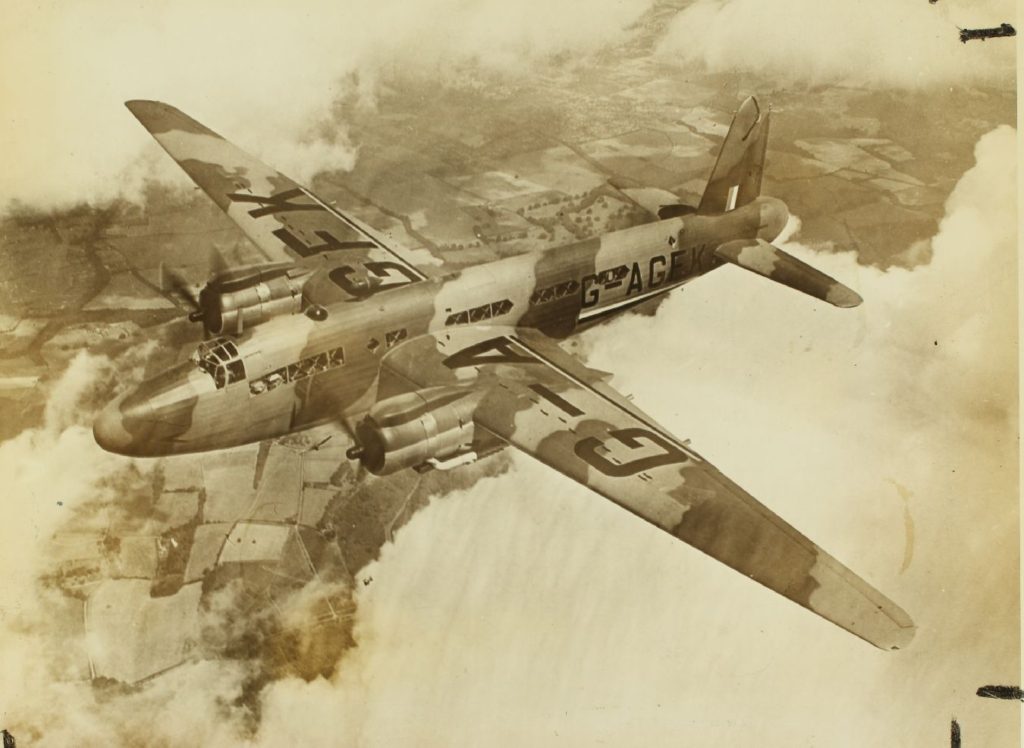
[(62, 491), (526, 610), (265, 74), (33, 485), (56, 479), (874, 43)]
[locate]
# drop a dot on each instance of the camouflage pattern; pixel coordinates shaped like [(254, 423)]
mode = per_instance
[(282, 218), (433, 372), (765, 259), (540, 399)]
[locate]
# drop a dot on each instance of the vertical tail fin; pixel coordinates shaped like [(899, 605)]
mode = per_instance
[(736, 178)]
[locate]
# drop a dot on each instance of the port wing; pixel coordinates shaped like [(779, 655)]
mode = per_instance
[(545, 402)]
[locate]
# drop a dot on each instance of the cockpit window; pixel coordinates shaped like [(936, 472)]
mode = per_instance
[(219, 358)]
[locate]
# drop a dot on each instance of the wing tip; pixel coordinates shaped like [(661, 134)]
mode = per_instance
[(895, 630), (900, 639), (158, 117), (843, 297), (144, 107)]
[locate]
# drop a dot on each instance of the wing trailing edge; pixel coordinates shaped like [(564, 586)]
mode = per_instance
[(539, 399)]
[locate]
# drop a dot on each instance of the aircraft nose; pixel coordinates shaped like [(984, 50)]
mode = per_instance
[(113, 427)]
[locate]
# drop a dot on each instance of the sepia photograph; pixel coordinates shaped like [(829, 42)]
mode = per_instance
[(474, 373)]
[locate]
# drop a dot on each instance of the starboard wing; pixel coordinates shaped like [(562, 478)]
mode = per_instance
[(543, 401), (278, 215)]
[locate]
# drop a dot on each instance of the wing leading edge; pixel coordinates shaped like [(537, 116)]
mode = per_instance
[(543, 401)]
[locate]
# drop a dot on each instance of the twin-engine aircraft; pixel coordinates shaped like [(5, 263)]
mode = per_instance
[(436, 372)]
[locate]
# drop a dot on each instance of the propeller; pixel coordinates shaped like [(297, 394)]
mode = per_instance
[(174, 282), (215, 258)]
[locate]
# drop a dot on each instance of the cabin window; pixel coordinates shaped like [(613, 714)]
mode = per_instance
[(480, 313), (557, 291), (613, 277), (395, 336), (499, 308), (302, 369)]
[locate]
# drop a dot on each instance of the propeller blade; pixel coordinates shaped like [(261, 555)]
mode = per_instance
[(218, 265), (172, 281), (322, 442), (261, 462)]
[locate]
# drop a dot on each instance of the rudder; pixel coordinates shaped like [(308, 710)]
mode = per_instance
[(736, 178)]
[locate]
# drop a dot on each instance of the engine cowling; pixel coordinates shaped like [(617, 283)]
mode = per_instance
[(416, 428), (241, 298)]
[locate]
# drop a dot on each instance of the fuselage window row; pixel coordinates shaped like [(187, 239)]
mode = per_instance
[(557, 291), (307, 367), (479, 313)]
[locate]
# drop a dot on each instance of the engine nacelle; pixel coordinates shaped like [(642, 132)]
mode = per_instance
[(427, 426), (241, 298)]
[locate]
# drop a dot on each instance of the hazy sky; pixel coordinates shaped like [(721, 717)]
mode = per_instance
[(870, 42), (273, 71), (266, 69)]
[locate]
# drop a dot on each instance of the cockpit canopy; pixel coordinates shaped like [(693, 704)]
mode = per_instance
[(219, 358)]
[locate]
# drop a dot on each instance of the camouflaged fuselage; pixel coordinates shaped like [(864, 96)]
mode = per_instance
[(335, 353)]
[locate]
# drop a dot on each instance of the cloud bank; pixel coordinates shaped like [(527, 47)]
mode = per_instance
[(264, 74), (527, 611), (872, 43)]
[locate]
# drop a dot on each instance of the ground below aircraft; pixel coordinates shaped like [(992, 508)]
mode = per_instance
[(433, 373)]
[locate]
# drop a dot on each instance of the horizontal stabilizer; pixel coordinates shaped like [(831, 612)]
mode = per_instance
[(758, 256)]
